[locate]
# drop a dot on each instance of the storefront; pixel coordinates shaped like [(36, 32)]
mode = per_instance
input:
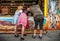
[(8, 8)]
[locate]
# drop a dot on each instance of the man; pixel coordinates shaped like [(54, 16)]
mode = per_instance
[(38, 18)]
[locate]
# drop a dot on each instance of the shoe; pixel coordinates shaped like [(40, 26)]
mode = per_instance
[(16, 35), (22, 38), (33, 36), (40, 37), (25, 34)]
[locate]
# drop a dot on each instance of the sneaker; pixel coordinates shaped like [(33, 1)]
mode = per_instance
[(22, 38), (16, 35), (33, 36), (40, 37), (25, 34)]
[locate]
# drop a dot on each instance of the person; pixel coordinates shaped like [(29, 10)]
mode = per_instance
[(38, 18), (23, 22), (30, 18), (15, 18)]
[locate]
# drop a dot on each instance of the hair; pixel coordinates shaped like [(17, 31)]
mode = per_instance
[(20, 7)]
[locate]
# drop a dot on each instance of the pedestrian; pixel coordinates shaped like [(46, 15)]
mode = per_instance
[(38, 18)]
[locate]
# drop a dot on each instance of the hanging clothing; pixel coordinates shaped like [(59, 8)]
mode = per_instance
[(53, 7)]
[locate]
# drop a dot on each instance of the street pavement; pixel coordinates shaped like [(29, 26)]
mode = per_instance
[(52, 35)]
